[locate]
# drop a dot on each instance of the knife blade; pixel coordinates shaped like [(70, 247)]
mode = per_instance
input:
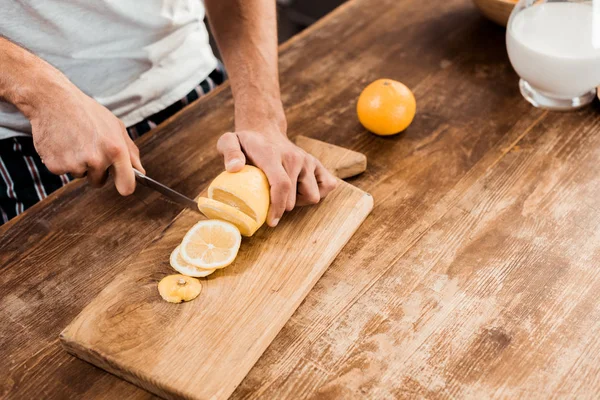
[(166, 191)]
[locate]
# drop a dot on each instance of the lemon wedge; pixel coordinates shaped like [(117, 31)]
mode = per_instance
[(220, 211), (247, 190), (211, 244)]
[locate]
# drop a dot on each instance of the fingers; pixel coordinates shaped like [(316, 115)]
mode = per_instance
[(315, 184), (301, 181), (76, 168), (97, 177), (124, 159), (122, 169), (325, 179), (76, 173), (229, 146), (280, 188), (119, 158), (308, 188), (134, 153), (293, 167), (82, 137), (97, 172), (295, 177)]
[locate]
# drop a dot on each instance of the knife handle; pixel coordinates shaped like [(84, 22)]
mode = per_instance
[(139, 177)]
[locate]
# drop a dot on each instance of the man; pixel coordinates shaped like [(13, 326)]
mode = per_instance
[(79, 78)]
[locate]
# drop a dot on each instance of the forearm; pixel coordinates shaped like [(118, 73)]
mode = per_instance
[(26, 80), (246, 32)]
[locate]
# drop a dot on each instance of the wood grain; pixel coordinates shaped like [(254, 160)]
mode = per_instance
[(493, 301), (379, 323), (342, 162), (204, 348)]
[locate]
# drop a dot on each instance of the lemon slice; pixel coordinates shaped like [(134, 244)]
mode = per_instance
[(211, 244), (185, 268), (220, 211), (247, 190), (178, 288)]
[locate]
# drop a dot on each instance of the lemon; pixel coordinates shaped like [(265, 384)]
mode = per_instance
[(213, 209), (178, 288), (185, 268), (238, 204), (211, 244), (247, 190)]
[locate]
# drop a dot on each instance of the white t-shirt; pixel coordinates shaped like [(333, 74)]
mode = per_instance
[(136, 57)]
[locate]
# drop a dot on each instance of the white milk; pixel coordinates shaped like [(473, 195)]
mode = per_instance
[(550, 46)]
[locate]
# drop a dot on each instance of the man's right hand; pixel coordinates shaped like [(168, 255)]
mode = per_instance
[(71, 131), (76, 134)]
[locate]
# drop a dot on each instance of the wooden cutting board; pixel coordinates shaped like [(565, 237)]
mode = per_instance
[(204, 348)]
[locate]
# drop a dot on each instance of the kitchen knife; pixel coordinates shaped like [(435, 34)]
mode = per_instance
[(166, 191)]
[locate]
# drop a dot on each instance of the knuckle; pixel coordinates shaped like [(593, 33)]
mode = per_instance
[(310, 163), (133, 149), (94, 160), (294, 157), (231, 153), (290, 206), (113, 150), (55, 167), (313, 198), (226, 137), (272, 152), (224, 140), (330, 184), (77, 169), (283, 184), (299, 158)]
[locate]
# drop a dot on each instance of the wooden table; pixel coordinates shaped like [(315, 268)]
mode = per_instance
[(477, 274)]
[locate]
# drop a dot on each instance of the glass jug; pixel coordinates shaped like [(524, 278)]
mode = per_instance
[(554, 46)]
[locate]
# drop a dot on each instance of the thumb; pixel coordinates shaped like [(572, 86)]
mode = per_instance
[(229, 146)]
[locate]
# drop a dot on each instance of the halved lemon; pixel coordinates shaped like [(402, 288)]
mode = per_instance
[(220, 211), (178, 288), (211, 244), (247, 190), (185, 268)]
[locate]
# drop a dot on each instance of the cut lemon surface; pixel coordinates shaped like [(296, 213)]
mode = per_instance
[(220, 211), (185, 268), (178, 288), (247, 190), (211, 244)]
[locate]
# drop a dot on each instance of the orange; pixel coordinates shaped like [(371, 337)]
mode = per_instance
[(386, 107)]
